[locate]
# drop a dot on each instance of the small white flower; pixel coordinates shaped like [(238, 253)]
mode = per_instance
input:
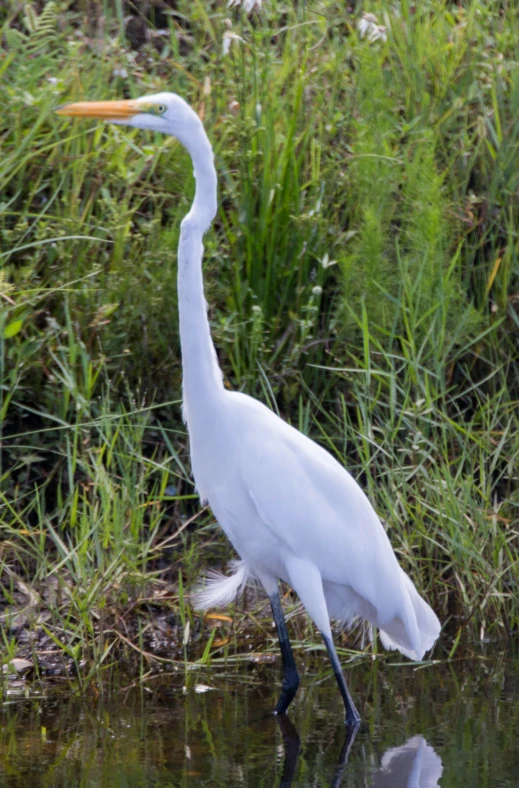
[(227, 40), (326, 262), (53, 80), (248, 5), (119, 72), (364, 24), (368, 27)]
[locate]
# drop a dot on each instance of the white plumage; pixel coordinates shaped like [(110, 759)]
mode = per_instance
[(301, 508), (290, 510)]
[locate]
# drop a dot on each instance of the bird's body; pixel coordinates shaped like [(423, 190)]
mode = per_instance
[(292, 512)]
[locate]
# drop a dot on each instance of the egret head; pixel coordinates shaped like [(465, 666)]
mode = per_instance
[(165, 112)]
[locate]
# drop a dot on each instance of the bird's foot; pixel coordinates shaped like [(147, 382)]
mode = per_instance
[(288, 691), (283, 703), (352, 718)]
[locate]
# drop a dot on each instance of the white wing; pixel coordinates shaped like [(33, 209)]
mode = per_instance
[(317, 510)]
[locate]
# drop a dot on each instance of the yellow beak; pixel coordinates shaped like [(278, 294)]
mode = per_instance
[(105, 110)]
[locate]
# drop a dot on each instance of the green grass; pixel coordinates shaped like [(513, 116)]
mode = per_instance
[(362, 274)]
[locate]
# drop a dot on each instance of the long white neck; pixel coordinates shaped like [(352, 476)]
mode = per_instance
[(202, 377)]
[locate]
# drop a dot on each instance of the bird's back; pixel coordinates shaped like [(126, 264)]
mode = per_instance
[(307, 498), (309, 506)]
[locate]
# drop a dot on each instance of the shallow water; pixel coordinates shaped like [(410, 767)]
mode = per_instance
[(445, 725)]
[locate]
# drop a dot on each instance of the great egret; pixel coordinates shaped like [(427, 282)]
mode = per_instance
[(289, 508)]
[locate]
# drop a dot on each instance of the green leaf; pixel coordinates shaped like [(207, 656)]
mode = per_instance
[(12, 329)]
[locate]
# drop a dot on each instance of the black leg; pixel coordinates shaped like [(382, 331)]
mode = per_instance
[(352, 715), (290, 675)]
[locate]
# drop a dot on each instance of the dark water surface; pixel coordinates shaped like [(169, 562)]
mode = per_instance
[(445, 725)]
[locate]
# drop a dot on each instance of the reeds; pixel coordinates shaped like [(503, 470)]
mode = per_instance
[(362, 277)]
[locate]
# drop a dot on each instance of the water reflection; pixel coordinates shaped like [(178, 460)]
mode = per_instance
[(442, 727), (292, 745), (413, 765)]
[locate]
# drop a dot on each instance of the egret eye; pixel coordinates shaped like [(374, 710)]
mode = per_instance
[(161, 108)]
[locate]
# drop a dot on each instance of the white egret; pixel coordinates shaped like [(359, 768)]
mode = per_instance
[(291, 511)]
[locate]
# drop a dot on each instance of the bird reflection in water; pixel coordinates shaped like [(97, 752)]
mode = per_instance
[(413, 765)]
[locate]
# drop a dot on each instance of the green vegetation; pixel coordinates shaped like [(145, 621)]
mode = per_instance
[(362, 275)]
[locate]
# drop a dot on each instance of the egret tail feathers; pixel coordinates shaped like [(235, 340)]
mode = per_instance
[(220, 590), (394, 636)]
